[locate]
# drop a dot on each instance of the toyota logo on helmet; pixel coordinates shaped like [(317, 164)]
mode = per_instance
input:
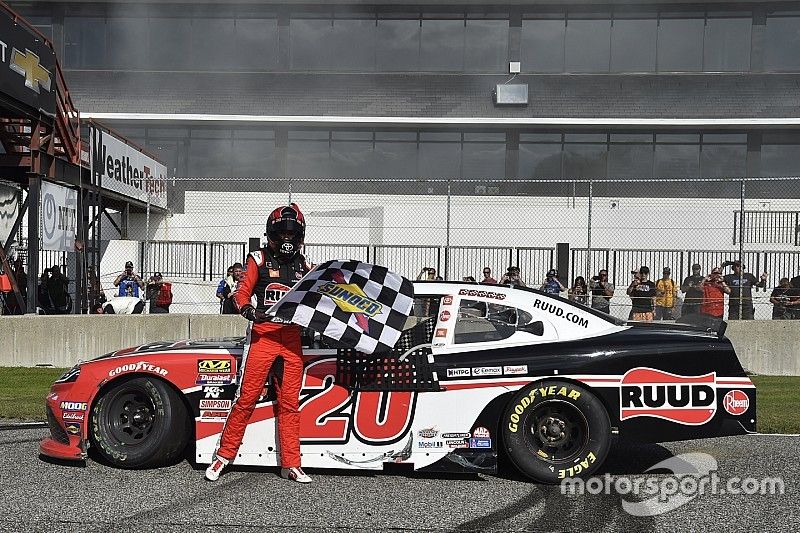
[(286, 230)]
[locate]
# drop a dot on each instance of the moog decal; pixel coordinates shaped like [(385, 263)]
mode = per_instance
[(689, 400)]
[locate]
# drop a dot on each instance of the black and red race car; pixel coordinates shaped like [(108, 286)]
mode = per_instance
[(480, 371)]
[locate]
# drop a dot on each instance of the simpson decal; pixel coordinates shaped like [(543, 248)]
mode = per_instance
[(689, 400)]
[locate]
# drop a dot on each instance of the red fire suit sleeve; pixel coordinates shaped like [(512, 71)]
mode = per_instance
[(245, 290)]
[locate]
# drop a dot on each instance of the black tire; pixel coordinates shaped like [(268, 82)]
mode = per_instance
[(562, 433), (140, 423)]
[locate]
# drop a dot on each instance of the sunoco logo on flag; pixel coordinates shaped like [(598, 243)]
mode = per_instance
[(358, 305)]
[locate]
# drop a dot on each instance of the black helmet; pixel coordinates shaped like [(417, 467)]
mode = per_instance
[(281, 222)]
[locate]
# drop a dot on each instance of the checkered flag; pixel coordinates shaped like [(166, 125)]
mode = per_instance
[(358, 305)]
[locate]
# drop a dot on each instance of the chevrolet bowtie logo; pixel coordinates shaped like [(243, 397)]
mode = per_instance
[(27, 64)]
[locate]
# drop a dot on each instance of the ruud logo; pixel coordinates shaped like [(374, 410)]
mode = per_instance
[(689, 400), (27, 64)]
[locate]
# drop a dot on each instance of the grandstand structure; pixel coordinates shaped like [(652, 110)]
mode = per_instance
[(379, 119)]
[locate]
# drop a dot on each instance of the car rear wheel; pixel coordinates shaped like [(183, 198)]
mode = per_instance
[(140, 423), (554, 430)]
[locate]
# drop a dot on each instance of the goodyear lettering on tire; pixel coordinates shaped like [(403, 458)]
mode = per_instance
[(540, 392)]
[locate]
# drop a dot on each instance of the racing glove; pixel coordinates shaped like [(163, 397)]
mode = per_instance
[(254, 315)]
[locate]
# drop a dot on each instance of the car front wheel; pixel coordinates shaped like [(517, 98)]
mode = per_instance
[(140, 423), (554, 430)]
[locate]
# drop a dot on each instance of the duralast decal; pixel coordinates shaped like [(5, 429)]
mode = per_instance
[(541, 392), (689, 400), (140, 366), (560, 312), (482, 294)]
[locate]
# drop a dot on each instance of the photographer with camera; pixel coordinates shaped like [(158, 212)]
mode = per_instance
[(741, 295), (602, 291), (785, 301), (428, 273), (714, 290), (159, 292), (512, 277), (642, 292), (551, 284), (692, 287), (128, 282)]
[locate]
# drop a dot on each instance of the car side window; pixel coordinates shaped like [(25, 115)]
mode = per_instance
[(426, 306), (483, 322)]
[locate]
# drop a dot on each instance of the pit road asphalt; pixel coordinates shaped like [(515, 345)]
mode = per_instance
[(37, 495)]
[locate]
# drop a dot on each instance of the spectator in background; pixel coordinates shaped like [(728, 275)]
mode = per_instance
[(58, 291), (159, 293), (780, 299), (551, 283), (512, 277), (692, 288), (428, 273), (579, 291), (666, 295), (229, 290), (602, 291), (741, 295), (487, 276), (129, 282), (642, 292), (44, 305), (714, 290), (221, 289)]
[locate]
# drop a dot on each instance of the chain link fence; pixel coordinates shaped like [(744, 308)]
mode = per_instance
[(461, 227)]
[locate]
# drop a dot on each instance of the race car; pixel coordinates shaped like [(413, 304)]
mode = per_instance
[(480, 371)]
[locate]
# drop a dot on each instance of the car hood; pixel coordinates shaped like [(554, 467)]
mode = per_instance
[(224, 343)]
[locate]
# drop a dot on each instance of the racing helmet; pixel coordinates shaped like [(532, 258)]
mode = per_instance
[(286, 230)]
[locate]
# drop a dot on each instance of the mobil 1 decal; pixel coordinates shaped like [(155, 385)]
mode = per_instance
[(330, 413), (689, 400)]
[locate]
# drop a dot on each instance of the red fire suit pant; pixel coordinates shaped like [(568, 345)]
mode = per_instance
[(264, 344)]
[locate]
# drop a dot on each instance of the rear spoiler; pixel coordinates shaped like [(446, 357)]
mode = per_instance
[(705, 323)]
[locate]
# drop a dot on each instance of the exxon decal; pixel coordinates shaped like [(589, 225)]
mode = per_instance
[(689, 400)]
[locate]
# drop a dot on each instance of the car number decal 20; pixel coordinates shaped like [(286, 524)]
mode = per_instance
[(330, 413)]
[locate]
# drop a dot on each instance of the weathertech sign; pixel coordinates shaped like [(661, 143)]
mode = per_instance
[(126, 170), (689, 400)]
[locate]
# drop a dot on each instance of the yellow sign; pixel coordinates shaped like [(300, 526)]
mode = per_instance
[(27, 64), (350, 298)]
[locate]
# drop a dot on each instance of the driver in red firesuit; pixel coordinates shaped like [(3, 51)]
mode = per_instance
[(270, 273)]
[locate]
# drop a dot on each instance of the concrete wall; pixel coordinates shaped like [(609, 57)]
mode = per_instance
[(768, 347), (763, 346)]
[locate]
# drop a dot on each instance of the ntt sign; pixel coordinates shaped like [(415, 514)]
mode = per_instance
[(126, 170)]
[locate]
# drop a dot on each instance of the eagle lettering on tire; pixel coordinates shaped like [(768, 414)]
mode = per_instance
[(554, 430)]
